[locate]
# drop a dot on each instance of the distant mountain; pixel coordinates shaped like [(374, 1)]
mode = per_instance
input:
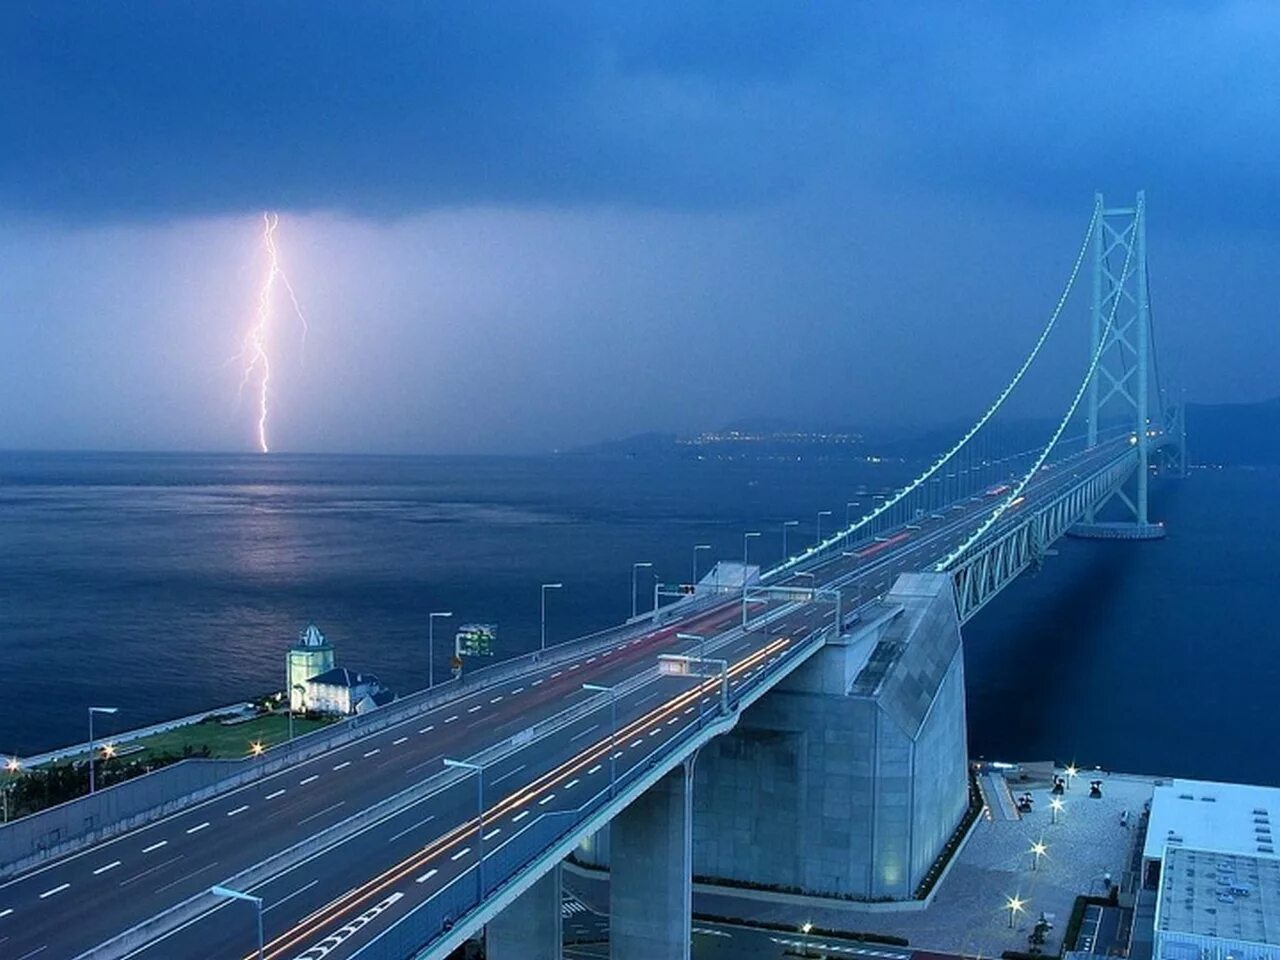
[(1234, 434)]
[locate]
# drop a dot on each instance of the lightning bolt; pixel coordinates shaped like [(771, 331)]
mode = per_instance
[(254, 353)]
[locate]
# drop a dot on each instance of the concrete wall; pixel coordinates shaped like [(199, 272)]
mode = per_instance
[(849, 777)]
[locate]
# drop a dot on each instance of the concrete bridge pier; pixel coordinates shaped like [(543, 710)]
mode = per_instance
[(530, 928), (651, 885)]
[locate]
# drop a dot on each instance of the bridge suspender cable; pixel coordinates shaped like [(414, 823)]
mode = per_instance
[(981, 422), (1021, 485)]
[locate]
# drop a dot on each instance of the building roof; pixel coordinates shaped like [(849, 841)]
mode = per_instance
[(342, 677), (310, 637), (1227, 896), (1228, 817)]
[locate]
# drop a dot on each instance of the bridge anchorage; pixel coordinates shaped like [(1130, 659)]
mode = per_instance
[(800, 727)]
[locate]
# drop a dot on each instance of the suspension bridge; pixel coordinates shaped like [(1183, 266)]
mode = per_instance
[(640, 748)]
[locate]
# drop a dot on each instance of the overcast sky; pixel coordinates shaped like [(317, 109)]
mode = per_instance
[(523, 226)]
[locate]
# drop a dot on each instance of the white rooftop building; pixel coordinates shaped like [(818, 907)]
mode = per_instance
[(1228, 817), (1217, 906)]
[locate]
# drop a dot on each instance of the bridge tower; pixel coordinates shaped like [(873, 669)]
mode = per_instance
[(1121, 388)]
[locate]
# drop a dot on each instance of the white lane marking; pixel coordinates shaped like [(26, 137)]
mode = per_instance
[(338, 937), (571, 784), (591, 659), (427, 729), (278, 793), (5, 913), (536, 682), (594, 770), (673, 720), (110, 866), (412, 828), (198, 827), (617, 755), (290, 896), (473, 709), (240, 809), (520, 816), (492, 833), (579, 736), (32, 953), (58, 889), (558, 673), (460, 854), (426, 876), (691, 709), (370, 753), (343, 765), (154, 846), (496, 699), (311, 779), (509, 773), (575, 666), (654, 733), (321, 813), (451, 719), (636, 743), (396, 743), (547, 799), (517, 690)]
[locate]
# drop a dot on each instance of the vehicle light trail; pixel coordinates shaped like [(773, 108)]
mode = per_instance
[(254, 354)]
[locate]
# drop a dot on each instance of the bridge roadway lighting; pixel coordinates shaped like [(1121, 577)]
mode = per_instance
[(696, 548), (93, 747), (431, 644), (1014, 905), (542, 641), (613, 731), (821, 514), (237, 895), (636, 568), (479, 772), (785, 524), (700, 639)]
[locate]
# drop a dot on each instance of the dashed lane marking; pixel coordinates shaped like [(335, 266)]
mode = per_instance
[(547, 799), (311, 779), (492, 833), (278, 793), (473, 709), (58, 889), (373, 752), (343, 765), (240, 809), (154, 846), (451, 719), (520, 816), (428, 728), (396, 743), (460, 854), (109, 866), (593, 770), (426, 876), (198, 827)]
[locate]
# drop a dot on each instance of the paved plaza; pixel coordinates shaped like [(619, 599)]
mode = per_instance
[(969, 914)]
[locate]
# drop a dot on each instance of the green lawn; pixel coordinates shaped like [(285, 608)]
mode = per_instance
[(224, 741)]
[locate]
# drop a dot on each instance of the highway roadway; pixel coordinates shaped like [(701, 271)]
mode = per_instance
[(355, 891)]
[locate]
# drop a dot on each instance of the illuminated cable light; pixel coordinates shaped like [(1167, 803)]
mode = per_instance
[(254, 353)]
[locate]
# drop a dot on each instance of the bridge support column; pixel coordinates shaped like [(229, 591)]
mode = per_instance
[(651, 881), (531, 928)]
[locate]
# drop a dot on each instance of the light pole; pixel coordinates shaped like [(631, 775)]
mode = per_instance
[(613, 731), (785, 524), (1014, 905), (431, 644), (237, 895), (848, 512), (1072, 772), (804, 929), (1038, 850), (821, 514), (636, 568), (699, 638), (1055, 808), (479, 772), (542, 642), (93, 746), (696, 548), (302, 699), (11, 767), (746, 540)]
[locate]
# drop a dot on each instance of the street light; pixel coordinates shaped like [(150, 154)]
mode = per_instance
[(848, 512), (1055, 807), (11, 766), (237, 895), (821, 514), (804, 929), (785, 524), (1038, 850), (697, 637), (1072, 773), (636, 568), (696, 548), (542, 642), (479, 772), (431, 644), (746, 540), (92, 745), (613, 731), (1014, 905)]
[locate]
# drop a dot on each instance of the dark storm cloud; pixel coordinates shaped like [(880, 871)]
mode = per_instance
[(149, 110)]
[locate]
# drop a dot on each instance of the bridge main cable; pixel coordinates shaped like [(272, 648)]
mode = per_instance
[(891, 502)]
